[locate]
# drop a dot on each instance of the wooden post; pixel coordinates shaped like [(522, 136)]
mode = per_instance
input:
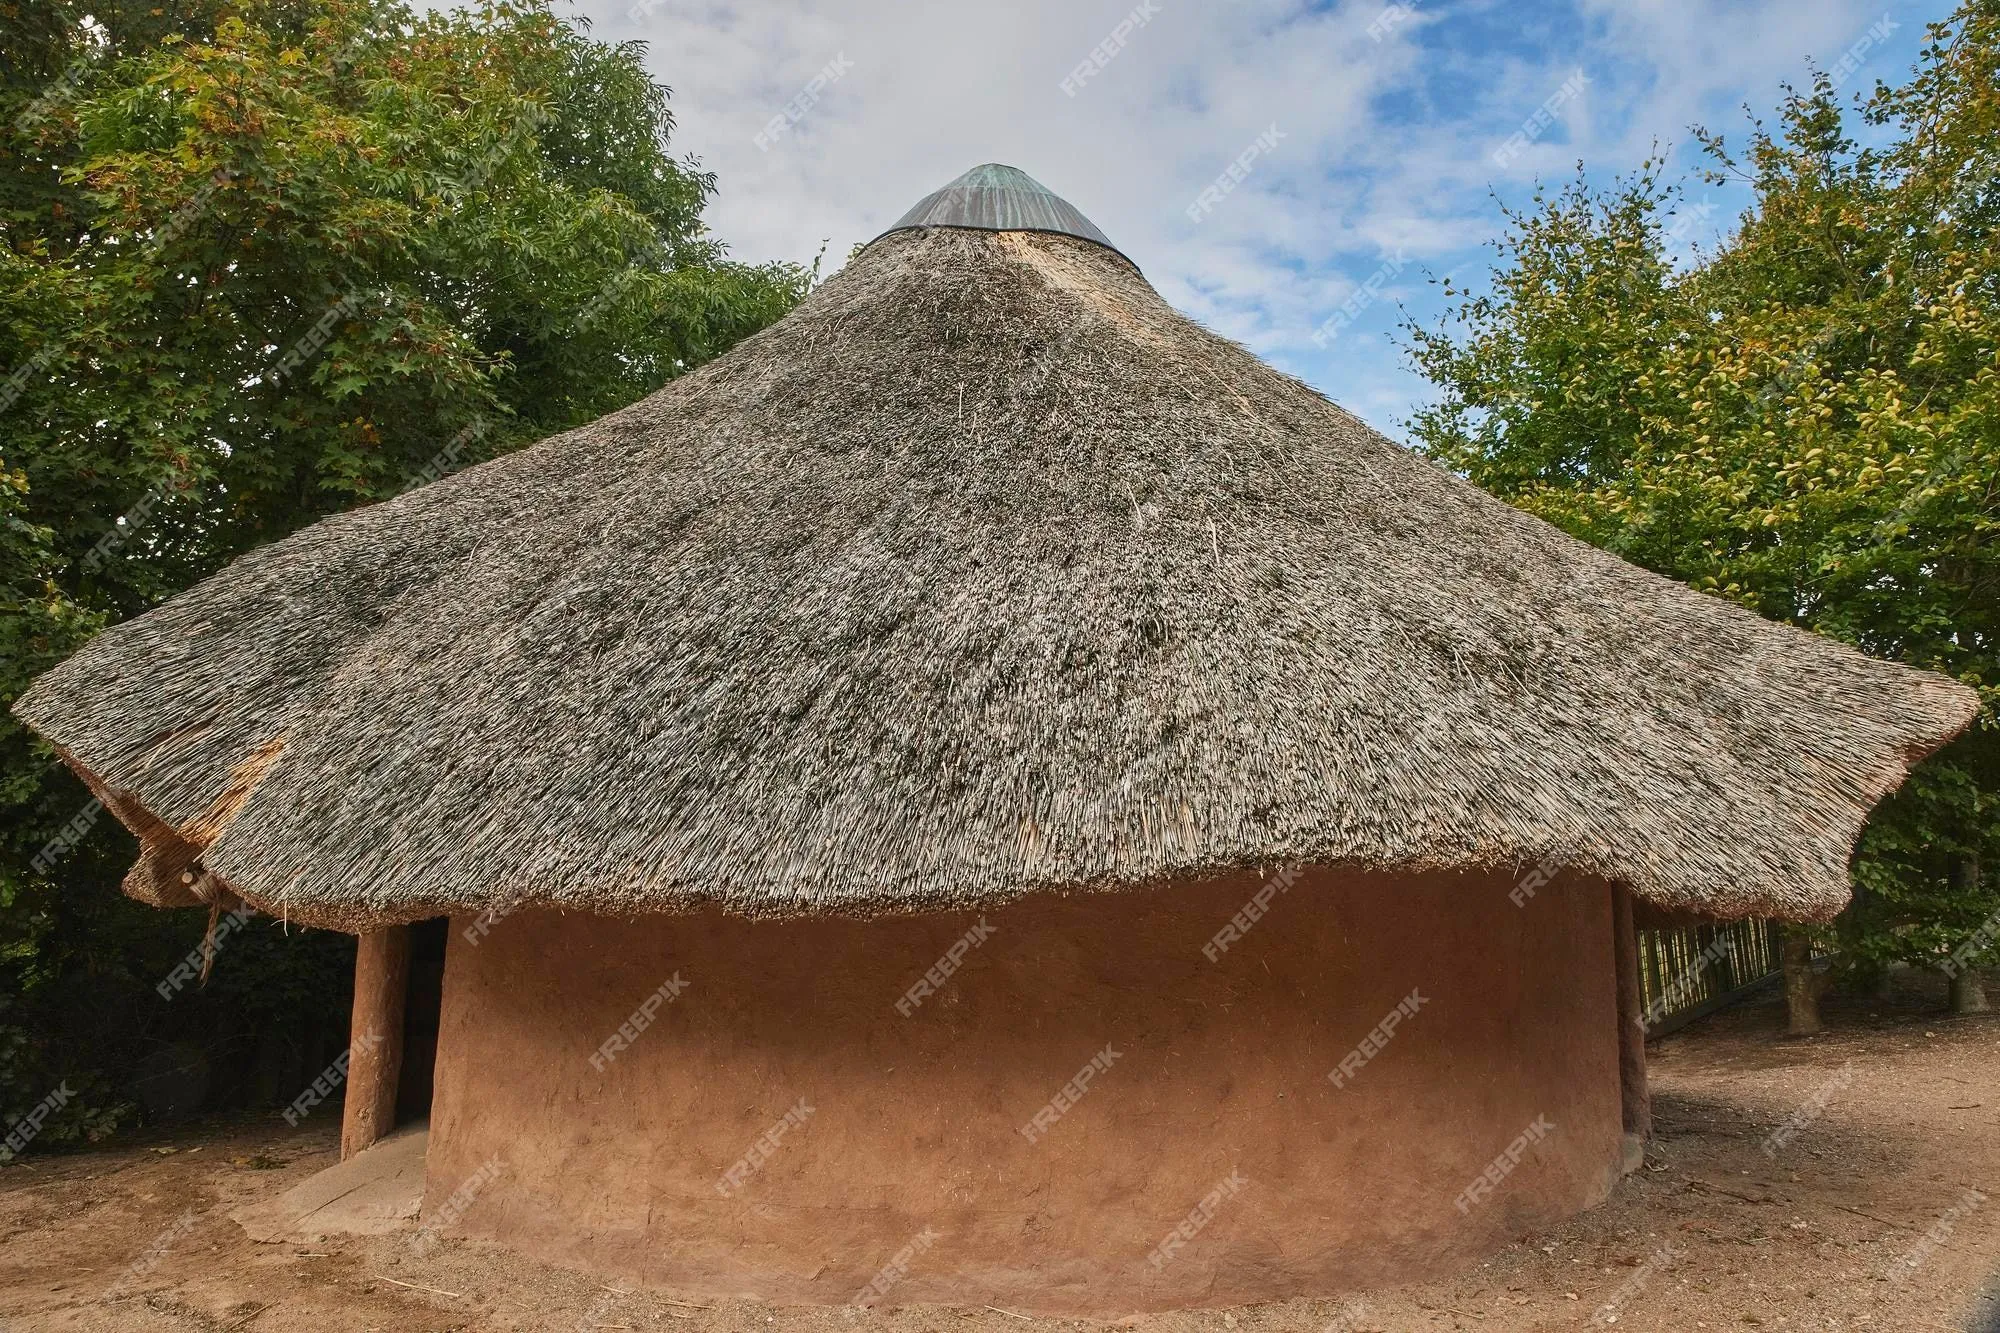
[(1634, 1100), (375, 1037)]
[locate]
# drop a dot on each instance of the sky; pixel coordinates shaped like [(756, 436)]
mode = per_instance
[(1374, 145)]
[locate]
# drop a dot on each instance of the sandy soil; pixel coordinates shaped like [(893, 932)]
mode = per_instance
[(1861, 1220)]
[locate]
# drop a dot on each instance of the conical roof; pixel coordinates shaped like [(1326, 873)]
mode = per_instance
[(994, 197), (982, 572)]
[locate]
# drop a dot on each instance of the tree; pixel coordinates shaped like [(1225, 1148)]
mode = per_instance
[(1806, 421), (264, 263)]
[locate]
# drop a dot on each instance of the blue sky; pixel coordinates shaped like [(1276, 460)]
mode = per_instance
[(1388, 130)]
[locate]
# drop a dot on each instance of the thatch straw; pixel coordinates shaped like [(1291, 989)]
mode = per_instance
[(984, 572)]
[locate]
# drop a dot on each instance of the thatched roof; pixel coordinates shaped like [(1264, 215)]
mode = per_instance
[(983, 572)]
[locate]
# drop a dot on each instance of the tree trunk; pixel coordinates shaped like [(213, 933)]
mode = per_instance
[(1801, 985)]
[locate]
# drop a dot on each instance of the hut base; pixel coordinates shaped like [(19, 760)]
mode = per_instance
[(1099, 1110)]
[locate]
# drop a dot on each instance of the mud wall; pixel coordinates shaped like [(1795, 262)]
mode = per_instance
[(902, 1170)]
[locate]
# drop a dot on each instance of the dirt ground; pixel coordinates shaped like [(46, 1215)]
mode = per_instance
[(1879, 1214)]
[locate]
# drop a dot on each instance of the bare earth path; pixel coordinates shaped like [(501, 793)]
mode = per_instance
[(1881, 1213)]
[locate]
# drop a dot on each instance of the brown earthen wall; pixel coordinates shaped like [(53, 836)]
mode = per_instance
[(915, 1125)]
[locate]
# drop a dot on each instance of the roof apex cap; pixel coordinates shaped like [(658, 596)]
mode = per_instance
[(997, 197)]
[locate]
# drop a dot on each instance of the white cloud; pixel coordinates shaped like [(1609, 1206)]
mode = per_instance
[(1387, 144)]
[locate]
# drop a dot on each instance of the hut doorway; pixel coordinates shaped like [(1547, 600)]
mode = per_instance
[(392, 1050), (423, 1003)]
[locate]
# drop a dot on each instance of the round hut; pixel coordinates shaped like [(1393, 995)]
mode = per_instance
[(988, 793)]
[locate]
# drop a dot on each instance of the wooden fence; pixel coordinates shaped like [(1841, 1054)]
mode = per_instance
[(1686, 973)]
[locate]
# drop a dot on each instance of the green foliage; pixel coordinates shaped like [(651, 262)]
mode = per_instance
[(264, 262), (1806, 421)]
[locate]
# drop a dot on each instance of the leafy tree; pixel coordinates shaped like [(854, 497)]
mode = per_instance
[(1806, 421), (265, 261)]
